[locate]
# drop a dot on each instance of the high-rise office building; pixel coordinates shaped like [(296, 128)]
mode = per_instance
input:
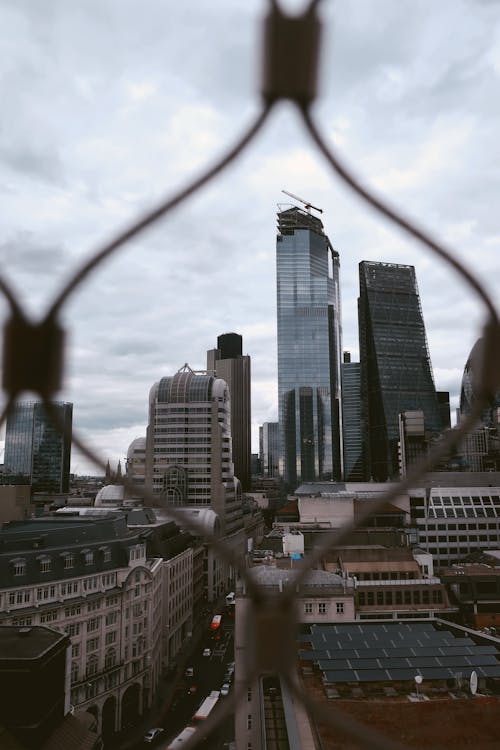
[(188, 447), (269, 449), (354, 470), (396, 373), (35, 449), (309, 346), (230, 364)]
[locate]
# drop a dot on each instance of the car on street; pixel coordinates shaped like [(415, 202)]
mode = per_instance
[(230, 668), (226, 687), (192, 690), (153, 734), (207, 652), (189, 672)]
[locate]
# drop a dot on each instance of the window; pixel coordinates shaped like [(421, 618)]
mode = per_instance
[(48, 616), (69, 561), (110, 637), (111, 618), (361, 599), (19, 567), (72, 611), (308, 608), (75, 649), (249, 721), (92, 624), (89, 557), (92, 644), (91, 666), (340, 608), (110, 658), (322, 607), (74, 671), (73, 629), (249, 694), (45, 565)]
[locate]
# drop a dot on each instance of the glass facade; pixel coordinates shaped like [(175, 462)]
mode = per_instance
[(309, 344), (396, 374), (269, 454), (35, 449), (354, 470)]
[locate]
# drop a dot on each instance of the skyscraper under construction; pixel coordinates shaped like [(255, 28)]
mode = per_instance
[(309, 346)]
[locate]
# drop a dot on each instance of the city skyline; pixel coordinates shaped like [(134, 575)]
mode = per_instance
[(414, 113)]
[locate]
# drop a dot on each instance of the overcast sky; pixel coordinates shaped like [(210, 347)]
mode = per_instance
[(109, 105)]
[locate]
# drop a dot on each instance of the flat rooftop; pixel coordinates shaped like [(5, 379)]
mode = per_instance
[(27, 642)]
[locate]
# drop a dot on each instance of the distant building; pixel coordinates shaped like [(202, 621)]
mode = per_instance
[(36, 449), (269, 453), (453, 522), (230, 364), (15, 502), (136, 461), (396, 373), (309, 346), (188, 447), (354, 469)]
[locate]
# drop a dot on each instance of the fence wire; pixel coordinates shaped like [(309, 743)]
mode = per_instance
[(34, 351)]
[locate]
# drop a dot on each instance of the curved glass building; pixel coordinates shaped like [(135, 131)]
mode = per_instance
[(309, 346)]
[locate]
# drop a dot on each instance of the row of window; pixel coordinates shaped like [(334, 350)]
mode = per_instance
[(19, 566), (389, 598), (322, 608)]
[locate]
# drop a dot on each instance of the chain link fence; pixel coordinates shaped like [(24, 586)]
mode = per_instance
[(34, 354)]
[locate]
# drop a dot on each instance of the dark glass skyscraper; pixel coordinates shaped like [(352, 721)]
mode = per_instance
[(35, 449), (309, 345), (396, 373), (354, 469)]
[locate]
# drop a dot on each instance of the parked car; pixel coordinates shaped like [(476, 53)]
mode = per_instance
[(226, 687), (189, 672), (207, 652), (230, 668), (192, 690), (153, 734)]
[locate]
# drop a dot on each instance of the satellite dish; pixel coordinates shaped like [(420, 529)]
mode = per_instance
[(418, 679), (473, 682)]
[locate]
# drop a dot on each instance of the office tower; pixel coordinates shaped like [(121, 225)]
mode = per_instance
[(354, 470), (270, 449), (228, 363), (35, 449), (309, 345), (443, 398), (396, 374), (490, 416), (480, 450), (188, 446)]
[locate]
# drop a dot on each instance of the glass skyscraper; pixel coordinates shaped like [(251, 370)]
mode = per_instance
[(354, 469), (396, 373), (35, 450), (309, 345)]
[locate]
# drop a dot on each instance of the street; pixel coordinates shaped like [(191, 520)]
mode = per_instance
[(208, 675)]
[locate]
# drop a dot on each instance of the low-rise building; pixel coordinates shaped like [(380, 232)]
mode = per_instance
[(92, 579)]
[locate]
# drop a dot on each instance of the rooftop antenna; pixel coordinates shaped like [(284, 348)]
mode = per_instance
[(307, 205)]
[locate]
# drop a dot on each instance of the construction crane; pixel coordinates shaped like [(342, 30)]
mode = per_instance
[(307, 205)]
